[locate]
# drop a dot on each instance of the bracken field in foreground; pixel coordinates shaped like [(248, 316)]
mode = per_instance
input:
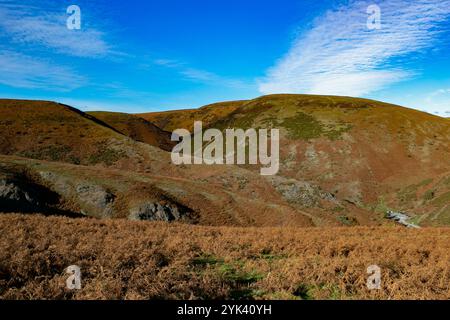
[(145, 260)]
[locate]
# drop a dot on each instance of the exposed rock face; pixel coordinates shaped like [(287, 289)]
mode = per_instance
[(300, 192), (101, 201), (12, 194), (154, 211), (97, 197), (93, 199), (18, 194)]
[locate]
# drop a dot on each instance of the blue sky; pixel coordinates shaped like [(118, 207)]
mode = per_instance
[(138, 56)]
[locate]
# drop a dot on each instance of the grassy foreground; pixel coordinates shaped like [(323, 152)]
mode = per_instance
[(142, 260)]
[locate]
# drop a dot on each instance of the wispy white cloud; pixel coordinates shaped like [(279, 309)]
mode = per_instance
[(439, 92), (22, 71), (438, 101), (201, 76), (169, 63), (33, 25), (38, 30), (340, 55)]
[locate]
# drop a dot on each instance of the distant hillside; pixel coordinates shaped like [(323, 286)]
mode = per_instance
[(136, 128), (184, 119), (362, 151), (52, 131), (55, 132), (355, 148), (344, 161)]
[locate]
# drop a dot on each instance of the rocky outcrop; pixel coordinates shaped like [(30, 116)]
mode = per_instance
[(401, 218), (63, 192), (91, 198), (97, 198), (19, 194), (154, 211), (16, 196), (299, 192)]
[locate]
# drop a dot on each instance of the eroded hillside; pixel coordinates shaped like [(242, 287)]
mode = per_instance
[(344, 161), (360, 151)]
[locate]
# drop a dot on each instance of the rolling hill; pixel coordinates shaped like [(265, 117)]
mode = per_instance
[(136, 128), (50, 131), (344, 161), (209, 114), (359, 150)]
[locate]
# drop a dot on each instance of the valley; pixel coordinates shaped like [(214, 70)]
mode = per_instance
[(343, 161), (99, 190)]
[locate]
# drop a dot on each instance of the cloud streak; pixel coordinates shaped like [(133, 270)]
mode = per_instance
[(30, 24), (21, 71), (340, 55), (38, 30), (201, 76), (439, 101)]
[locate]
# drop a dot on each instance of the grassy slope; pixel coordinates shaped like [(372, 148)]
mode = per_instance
[(363, 151), (211, 203), (360, 151), (51, 131), (136, 128), (189, 262), (184, 119), (54, 132)]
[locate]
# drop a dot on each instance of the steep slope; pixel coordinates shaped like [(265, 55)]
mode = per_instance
[(429, 200), (107, 193), (358, 150), (136, 128), (171, 120), (51, 131), (344, 161), (55, 132)]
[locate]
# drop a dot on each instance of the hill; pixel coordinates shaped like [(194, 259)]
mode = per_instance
[(344, 161), (55, 132), (51, 131), (136, 128), (361, 151), (53, 188), (177, 119)]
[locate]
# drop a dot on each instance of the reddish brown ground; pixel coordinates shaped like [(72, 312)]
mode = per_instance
[(370, 156), (136, 128), (141, 260)]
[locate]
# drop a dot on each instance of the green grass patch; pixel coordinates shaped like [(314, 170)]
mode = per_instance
[(303, 126), (246, 294), (347, 221), (107, 156), (53, 153), (330, 291), (337, 209), (442, 199), (304, 292), (408, 194), (428, 195), (235, 274), (206, 260)]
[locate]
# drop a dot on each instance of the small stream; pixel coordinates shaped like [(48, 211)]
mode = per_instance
[(401, 218)]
